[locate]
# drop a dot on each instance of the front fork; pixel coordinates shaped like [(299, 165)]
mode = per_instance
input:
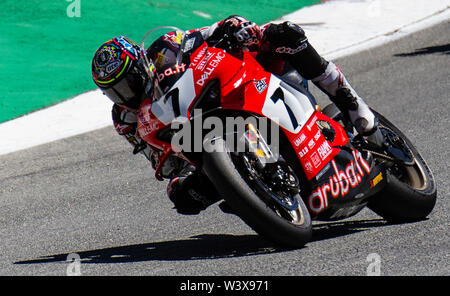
[(268, 164)]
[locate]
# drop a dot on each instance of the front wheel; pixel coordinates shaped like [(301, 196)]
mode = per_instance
[(278, 216)]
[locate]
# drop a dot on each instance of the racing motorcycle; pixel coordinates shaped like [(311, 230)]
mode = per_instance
[(310, 164)]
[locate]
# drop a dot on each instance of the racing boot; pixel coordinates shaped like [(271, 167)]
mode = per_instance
[(191, 192), (334, 83), (355, 110), (360, 115)]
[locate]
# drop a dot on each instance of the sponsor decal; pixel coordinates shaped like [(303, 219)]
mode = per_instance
[(303, 152), (212, 65), (313, 147), (299, 140), (313, 121), (171, 71), (148, 129), (201, 66), (316, 160), (113, 66), (308, 166), (260, 85), (317, 136), (123, 128), (339, 183), (324, 150), (198, 57), (376, 180), (289, 50)]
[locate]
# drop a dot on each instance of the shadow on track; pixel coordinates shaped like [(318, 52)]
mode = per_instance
[(442, 49), (328, 230), (204, 246)]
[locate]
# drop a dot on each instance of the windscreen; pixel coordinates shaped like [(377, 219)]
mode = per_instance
[(165, 52)]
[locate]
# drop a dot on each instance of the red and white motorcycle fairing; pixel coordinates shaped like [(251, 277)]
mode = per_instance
[(245, 86)]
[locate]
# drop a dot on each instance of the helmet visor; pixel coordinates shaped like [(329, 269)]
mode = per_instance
[(128, 90)]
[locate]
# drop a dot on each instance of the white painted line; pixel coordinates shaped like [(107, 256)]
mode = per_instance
[(342, 27), (84, 113)]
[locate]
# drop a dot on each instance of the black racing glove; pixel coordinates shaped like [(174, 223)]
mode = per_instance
[(237, 34), (286, 37)]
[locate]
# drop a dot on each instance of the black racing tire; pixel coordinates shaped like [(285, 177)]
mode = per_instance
[(401, 201), (221, 170), (405, 200)]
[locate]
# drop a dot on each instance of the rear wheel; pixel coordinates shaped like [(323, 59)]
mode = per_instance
[(410, 192)]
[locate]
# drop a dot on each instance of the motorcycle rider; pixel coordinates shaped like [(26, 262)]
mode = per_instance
[(118, 71)]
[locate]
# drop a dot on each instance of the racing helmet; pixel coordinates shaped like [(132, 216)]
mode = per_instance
[(118, 72)]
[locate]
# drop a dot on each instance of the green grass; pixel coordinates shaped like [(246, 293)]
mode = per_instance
[(46, 55)]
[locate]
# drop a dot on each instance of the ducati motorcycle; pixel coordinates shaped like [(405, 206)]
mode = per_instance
[(318, 169)]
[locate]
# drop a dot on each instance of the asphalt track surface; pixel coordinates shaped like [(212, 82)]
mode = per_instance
[(89, 195)]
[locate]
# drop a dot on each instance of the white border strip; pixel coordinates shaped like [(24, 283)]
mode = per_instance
[(336, 29), (343, 27), (84, 113)]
